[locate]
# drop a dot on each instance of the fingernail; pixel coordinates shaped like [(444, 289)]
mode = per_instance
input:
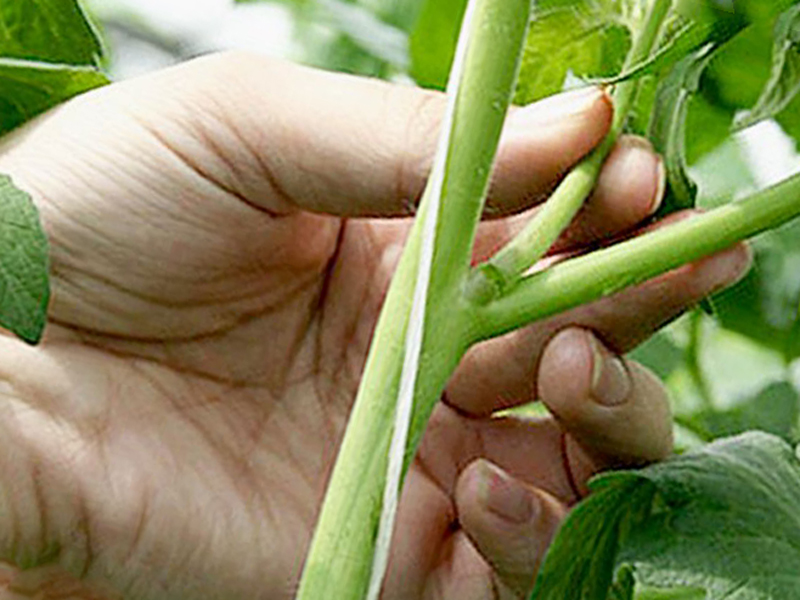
[(556, 108), (504, 496), (640, 157), (726, 269), (611, 384), (662, 186)]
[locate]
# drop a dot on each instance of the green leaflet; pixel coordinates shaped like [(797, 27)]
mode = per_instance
[(689, 30), (54, 31), (624, 585), (667, 128), (433, 41), (724, 519), (28, 88), (49, 52), (24, 287), (784, 82)]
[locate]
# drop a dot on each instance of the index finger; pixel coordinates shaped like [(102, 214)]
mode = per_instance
[(291, 137)]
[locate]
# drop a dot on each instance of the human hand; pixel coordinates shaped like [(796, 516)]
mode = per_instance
[(218, 267)]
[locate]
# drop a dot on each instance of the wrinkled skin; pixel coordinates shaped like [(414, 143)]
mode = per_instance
[(219, 262)]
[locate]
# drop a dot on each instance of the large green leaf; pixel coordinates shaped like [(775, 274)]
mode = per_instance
[(54, 31), (729, 522), (581, 561), (570, 41), (24, 264), (725, 518)]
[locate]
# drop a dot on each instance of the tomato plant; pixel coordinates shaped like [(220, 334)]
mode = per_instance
[(694, 522), (718, 521)]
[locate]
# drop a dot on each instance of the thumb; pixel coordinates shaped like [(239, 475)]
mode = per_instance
[(510, 523), (289, 137), (616, 412)]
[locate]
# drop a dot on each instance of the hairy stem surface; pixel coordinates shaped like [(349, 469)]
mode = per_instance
[(608, 271), (339, 563)]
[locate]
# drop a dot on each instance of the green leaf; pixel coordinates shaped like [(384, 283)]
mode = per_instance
[(24, 264), (784, 83), (49, 52), (737, 77), (668, 126), (55, 31), (575, 40), (692, 26), (581, 561), (433, 41), (624, 585), (729, 522), (27, 88), (724, 518)]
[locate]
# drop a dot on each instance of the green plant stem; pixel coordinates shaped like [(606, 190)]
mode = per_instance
[(530, 245), (339, 561), (693, 359), (608, 271)]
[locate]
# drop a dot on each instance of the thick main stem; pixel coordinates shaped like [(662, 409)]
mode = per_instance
[(540, 234), (608, 271), (339, 561)]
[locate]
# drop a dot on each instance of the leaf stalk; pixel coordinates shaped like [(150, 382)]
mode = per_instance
[(605, 272), (536, 239)]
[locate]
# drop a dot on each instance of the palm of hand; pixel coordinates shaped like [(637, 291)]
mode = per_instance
[(173, 436)]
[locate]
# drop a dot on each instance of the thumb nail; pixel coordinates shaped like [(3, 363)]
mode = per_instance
[(557, 108), (611, 383), (504, 496)]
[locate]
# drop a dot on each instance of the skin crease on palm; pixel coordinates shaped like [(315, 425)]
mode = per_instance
[(220, 253)]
